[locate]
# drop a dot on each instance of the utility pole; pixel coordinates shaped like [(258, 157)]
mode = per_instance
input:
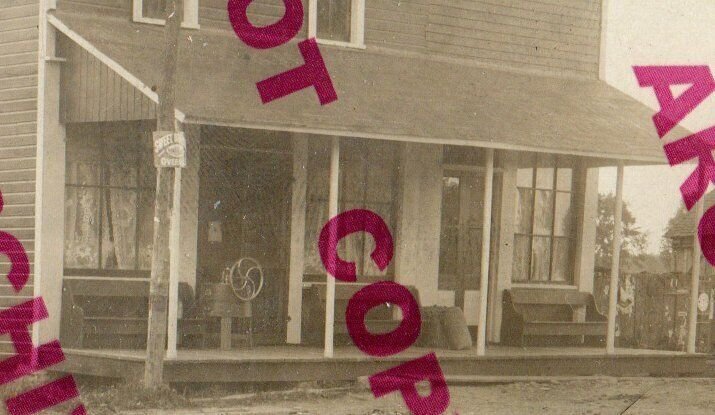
[(166, 122)]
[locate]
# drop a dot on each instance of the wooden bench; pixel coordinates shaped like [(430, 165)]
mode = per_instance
[(79, 321), (548, 312), (380, 319)]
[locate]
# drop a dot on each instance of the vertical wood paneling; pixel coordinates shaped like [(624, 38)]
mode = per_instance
[(91, 91), (18, 136)]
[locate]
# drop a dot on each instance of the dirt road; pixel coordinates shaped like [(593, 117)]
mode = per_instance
[(602, 396)]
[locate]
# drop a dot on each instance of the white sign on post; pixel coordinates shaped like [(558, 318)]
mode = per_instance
[(169, 149)]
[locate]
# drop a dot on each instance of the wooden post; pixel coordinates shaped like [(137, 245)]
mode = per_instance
[(615, 263), (159, 287), (297, 238), (694, 282), (486, 243), (332, 212), (174, 261)]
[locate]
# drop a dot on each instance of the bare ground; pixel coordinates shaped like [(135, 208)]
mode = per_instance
[(606, 396)]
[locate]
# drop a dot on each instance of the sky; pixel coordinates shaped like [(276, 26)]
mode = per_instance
[(663, 32)]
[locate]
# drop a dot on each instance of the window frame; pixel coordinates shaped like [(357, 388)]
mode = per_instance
[(101, 186), (344, 202), (357, 25), (559, 163), (191, 14)]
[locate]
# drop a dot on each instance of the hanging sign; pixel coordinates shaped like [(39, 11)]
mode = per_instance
[(169, 149)]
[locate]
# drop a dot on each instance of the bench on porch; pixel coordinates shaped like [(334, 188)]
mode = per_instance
[(87, 309), (380, 319), (548, 312)]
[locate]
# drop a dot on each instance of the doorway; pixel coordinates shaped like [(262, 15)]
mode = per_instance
[(244, 211), (461, 233)]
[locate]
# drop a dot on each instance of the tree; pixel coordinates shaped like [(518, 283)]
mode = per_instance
[(666, 244), (634, 239)]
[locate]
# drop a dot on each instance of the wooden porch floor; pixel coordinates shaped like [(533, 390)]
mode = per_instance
[(299, 363)]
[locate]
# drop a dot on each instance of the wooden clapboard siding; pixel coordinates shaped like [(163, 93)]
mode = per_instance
[(113, 8), (18, 135), (91, 91), (397, 24), (212, 14), (559, 36), (551, 36)]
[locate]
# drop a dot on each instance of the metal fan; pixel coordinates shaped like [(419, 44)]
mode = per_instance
[(245, 277)]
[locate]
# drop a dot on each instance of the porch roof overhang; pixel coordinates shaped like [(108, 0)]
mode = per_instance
[(383, 96)]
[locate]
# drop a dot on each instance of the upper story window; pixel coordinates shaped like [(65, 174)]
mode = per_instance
[(152, 11), (337, 22)]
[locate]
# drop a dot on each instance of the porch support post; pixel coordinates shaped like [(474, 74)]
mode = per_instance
[(332, 212), (694, 283), (174, 261), (486, 244), (615, 263), (297, 239)]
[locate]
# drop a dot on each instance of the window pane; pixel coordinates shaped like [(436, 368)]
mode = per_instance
[(119, 229), (524, 177), (145, 219), (319, 173), (153, 8), (563, 214), (83, 162), (564, 179), (334, 20), (540, 258), (449, 233), (544, 211), (545, 178), (473, 199), (351, 247), (81, 227), (380, 173), (147, 171), (122, 168), (450, 201), (561, 270), (469, 156), (352, 175), (471, 257), (448, 266), (369, 267), (521, 258), (316, 216), (524, 209)]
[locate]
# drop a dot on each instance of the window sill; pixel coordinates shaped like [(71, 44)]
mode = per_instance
[(558, 286), (340, 43), (161, 22)]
